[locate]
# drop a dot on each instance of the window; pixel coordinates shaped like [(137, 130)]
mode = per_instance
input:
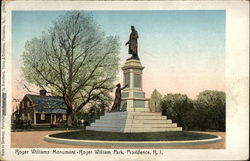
[(64, 117), (42, 116)]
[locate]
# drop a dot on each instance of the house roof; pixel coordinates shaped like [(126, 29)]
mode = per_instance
[(48, 104)]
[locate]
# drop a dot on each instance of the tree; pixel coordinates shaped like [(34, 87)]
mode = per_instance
[(155, 101), (73, 59), (210, 106), (179, 108), (94, 111)]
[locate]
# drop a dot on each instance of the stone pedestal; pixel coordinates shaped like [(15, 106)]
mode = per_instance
[(133, 97), (135, 115)]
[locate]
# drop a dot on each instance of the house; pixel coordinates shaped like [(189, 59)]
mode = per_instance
[(42, 109)]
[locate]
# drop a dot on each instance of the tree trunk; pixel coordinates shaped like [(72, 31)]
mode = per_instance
[(70, 119)]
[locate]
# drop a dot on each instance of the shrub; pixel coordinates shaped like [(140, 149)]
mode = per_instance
[(210, 110), (23, 123), (179, 108), (206, 112), (88, 116)]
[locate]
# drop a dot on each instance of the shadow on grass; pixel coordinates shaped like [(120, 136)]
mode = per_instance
[(147, 136)]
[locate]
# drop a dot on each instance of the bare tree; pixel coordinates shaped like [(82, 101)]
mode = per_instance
[(74, 59)]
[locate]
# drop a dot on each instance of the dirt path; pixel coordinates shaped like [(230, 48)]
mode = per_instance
[(34, 139)]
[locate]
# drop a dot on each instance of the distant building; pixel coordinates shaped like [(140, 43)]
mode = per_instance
[(42, 109)]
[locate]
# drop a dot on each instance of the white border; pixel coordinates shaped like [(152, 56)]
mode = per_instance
[(236, 65)]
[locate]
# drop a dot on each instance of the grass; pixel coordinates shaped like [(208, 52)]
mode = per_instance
[(149, 136), (46, 129)]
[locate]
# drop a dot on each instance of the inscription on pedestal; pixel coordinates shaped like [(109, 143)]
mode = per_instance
[(137, 80), (139, 104), (125, 95), (126, 79), (139, 94)]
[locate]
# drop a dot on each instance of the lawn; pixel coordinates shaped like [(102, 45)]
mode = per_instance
[(46, 129), (149, 136)]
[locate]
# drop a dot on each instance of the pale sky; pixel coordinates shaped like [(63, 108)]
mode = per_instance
[(182, 51)]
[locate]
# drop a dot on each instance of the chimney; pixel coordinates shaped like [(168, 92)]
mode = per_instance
[(43, 92)]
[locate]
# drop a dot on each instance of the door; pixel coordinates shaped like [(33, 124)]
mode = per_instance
[(53, 119)]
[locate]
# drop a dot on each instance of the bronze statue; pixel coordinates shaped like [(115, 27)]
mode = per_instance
[(133, 48), (117, 102)]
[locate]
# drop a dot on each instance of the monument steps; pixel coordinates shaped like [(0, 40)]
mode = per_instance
[(128, 130), (154, 129), (138, 110), (133, 113), (137, 117), (157, 125), (156, 121), (133, 122), (118, 120), (149, 117)]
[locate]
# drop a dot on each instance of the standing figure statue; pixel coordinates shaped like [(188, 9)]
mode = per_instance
[(133, 47), (117, 102)]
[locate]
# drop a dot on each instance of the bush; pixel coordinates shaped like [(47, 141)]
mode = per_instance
[(179, 108), (89, 116), (82, 116), (23, 123), (210, 110), (207, 112), (94, 112)]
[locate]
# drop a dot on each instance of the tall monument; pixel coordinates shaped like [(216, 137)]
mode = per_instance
[(134, 114), (133, 97)]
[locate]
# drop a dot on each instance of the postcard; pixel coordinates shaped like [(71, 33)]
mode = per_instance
[(124, 80)]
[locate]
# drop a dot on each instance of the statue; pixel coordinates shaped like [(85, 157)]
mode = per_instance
[(133, 48), (117, 102)]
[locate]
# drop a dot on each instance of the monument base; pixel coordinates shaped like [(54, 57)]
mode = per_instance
[(132, 121), (137, 117)]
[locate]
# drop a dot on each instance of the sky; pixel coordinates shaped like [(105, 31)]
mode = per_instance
[(183, 51)]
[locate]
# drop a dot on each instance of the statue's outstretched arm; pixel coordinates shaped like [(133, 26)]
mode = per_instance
[(124, 87)]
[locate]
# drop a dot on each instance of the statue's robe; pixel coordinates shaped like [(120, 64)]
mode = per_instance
[(133, 43)]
